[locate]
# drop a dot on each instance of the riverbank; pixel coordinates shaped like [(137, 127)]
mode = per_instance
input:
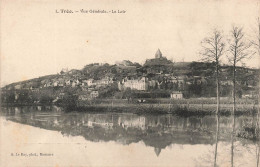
[(180, 110), (181, 107)]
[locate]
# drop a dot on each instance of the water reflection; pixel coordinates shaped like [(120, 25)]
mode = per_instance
[(157, 131), (258, 135), (217, 138), (232, 139)]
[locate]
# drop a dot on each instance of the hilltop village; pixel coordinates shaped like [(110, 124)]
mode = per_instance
[(156, 78)]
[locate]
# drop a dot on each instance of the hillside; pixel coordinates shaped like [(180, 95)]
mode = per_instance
[(118, 72), (157, 77)]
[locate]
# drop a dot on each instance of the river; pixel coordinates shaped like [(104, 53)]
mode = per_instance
[(48, 136)]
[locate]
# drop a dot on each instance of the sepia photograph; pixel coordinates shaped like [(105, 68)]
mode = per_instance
[(109, 83)]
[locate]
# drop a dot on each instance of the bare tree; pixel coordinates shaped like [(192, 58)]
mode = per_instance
[(239, 50), (212, 49), (256, 41)]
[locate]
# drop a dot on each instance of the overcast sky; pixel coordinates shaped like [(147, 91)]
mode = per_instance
[(36, 41)]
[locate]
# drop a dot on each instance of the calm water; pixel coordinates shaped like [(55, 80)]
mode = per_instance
[(122, 138)]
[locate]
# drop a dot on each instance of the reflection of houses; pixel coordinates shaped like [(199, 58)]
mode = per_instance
[(99, 120), (227, 82), (100, 124), (176, 95), (160, 131), (138, 84), (132, 121)]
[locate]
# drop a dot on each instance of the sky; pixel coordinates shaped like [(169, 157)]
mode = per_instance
[(37, 41)]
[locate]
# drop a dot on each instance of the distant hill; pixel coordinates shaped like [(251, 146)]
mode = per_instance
[(99, 71), (194, 79)]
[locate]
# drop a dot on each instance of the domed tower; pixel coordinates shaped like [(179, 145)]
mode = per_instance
[(158, 54)]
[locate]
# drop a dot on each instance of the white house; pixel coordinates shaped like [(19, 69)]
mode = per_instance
[(68, 82), (139, 84), (90, 82), (17, 86), (56, 83), (176, 95), (75, 83)]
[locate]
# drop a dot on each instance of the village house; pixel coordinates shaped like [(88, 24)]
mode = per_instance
[(90, 82), (16, 96), (176, 95), (75, 83), (180, 80), (104, 81), (48, 84), (152, 83), (18, 86), (101, 82), (34, 89), (83, 97), (94, 94), (56, 83), (68, 82), (60, 84), (84, 83), (138, 84), (88, 95)]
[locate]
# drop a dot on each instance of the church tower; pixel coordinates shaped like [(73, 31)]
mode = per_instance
[(158, 54)]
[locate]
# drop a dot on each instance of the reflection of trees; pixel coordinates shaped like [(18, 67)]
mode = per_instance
[(257, 131), (217, 138), (257, 153), (158, 131), (232, 139)]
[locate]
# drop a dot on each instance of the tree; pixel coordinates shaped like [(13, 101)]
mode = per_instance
[(238, 51), (212, 49), (256, 41)]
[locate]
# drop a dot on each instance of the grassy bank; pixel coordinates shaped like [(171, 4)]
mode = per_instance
[(183, 109)]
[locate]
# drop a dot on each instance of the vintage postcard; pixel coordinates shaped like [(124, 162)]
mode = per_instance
[(98, 83)]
